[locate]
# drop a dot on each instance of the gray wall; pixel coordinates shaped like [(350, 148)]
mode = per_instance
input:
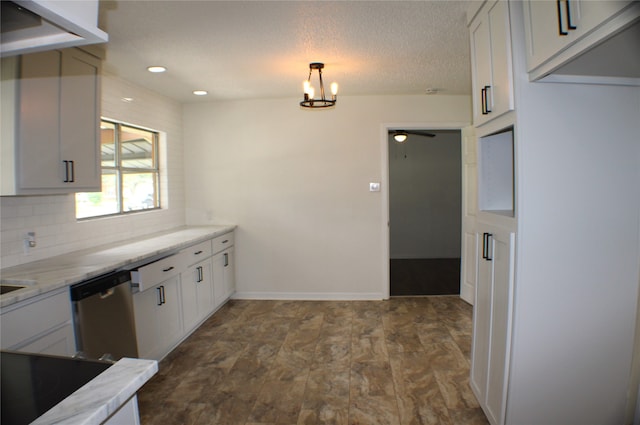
[(425, 196)]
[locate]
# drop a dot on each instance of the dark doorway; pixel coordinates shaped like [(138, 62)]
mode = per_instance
[(424, 213)]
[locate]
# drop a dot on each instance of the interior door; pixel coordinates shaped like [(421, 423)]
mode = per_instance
[(469, 243)]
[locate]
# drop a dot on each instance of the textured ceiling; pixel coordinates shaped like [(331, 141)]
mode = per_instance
[(262, 49)]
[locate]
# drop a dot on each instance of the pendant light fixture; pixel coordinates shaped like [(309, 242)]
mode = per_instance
[(309, 92)]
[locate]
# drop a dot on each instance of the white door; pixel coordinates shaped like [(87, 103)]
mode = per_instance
[(469, 254)]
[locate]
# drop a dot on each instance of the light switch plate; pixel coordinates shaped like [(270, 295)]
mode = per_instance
[(374, 187)]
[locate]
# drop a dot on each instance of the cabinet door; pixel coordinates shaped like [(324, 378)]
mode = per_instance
[(500, 94), (205, 289), (492, 321), (481, 66), (469, 260), (169, 323), (189, 292), (219, 290), (492, 74), (38, 159), (145, 305), (158, 318), (552, 26), (58, 123), (502, 257), (197, 293), (80, 119), (25, 321), (60, 342), (229, 273), (481, 321)]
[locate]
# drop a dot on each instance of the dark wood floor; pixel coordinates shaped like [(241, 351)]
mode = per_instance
[(425, 276)]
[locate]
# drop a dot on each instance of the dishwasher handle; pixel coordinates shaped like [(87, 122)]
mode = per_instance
[(106, 294), (99, 285)]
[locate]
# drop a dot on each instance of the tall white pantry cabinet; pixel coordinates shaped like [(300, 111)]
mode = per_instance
[(557, 226)]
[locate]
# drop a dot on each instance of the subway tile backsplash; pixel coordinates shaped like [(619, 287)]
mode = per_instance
[(52, 218)]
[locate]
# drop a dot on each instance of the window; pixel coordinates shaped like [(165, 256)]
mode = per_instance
[(130, 175)]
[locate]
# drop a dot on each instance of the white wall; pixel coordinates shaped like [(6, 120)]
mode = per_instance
[(425, 179), (296, 182), (53, 217)]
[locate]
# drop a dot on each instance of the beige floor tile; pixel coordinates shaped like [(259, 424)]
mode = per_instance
[(403, 361)]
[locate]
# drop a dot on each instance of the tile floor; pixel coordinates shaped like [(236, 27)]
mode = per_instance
[(402, 361)]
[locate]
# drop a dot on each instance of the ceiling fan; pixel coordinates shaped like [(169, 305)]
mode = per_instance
[(401, 135)]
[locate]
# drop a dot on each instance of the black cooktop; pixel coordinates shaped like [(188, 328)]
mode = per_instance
[(33, 383)]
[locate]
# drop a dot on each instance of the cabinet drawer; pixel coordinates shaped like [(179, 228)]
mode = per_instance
[(222, 242), (154, 273), (197, 252), (34, 318)]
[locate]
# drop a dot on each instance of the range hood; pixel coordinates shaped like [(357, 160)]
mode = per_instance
[(34, 25)]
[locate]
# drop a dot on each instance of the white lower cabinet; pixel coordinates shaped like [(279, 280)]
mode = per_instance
[(492, 320), (58, 342), (158, 318), (39, 325), (195, 282)]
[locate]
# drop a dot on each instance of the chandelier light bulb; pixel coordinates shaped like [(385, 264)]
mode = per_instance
[(311, 92), (334, 88)]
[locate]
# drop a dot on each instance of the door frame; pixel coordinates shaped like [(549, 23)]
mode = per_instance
[(384, 140)]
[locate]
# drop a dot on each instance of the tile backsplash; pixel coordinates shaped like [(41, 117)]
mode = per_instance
[(52, 218)]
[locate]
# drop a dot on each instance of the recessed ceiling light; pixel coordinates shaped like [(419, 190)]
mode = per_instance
[(200, 92), (156, 69), (127, 99)]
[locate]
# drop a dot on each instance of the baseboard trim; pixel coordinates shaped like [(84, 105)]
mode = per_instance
[(309, 296)]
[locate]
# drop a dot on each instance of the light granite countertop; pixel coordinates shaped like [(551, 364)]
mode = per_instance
[(101, 397), (53, 273)]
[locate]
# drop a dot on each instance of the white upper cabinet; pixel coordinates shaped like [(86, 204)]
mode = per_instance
[(51, 132), (559, 31), (491, 62)]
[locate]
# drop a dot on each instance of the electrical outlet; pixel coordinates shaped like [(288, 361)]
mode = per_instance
[(29, 242)]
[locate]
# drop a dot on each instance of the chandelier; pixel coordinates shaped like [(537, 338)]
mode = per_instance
[(309, 92)]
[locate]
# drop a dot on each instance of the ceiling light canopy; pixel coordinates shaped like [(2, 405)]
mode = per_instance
[(156, 69), (309, 92), (400, 136)]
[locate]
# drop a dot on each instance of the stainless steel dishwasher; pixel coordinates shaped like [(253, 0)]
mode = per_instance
[(103, 317)]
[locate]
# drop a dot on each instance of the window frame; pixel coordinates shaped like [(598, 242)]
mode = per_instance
[(120, 171)]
